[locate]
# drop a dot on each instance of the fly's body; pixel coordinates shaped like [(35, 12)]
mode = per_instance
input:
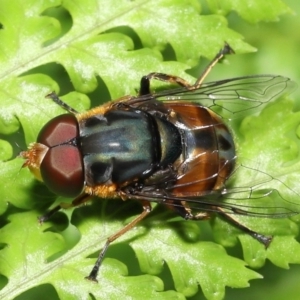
[(168, 147)]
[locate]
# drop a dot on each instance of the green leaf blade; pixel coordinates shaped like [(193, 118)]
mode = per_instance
[(92, 47)]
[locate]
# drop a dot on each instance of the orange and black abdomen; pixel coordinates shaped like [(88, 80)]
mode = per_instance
[(208, 154)]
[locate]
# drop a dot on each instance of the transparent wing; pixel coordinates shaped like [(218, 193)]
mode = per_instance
[(260, 195), (229, 97), (264, 196)]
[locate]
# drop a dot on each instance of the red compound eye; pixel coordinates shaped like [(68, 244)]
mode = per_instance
[(62, 167)]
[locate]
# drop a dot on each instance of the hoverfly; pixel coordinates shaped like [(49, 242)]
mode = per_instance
[(168, 147)]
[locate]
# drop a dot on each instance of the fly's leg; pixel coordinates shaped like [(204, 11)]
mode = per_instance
[(145, 81), (101, 110), (61, 103), (76, 202), (224, 51), (185, 212), (263, 239), (146, 210)]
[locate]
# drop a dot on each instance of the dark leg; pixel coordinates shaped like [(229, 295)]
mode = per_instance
[(62, 104), (185, 212), (93, 275), (263, 239), (145, 81), (76, 202)]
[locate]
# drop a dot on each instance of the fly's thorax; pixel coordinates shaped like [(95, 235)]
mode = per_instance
[(119, 146)]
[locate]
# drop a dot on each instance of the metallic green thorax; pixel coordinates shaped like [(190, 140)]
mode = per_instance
[(126, 144)]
